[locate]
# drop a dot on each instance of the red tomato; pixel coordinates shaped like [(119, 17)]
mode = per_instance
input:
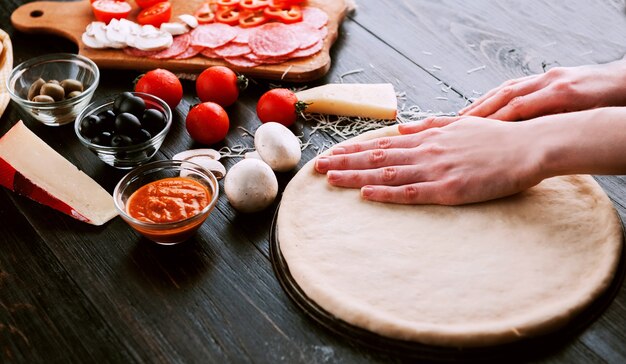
[(162, 84), (220, 84), (147, 3), (279, 105), (106, 10), (207, 123), (156, 14)]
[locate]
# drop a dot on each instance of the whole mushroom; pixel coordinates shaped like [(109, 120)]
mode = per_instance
[(277, 146), (250, 185)]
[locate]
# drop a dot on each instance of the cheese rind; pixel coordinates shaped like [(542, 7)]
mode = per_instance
[(30, 167), (375, 101)]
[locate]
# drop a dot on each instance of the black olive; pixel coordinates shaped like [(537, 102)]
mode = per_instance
[(127, 124), (89, 126), (119, 99), (103, 139), (120, 140), (133, 105), (153, 120), (142, 136), (107, 120)]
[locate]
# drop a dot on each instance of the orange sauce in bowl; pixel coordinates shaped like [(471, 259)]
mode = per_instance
[(168, 200)]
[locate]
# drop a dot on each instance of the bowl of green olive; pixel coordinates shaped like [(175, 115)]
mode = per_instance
[(54, 88)]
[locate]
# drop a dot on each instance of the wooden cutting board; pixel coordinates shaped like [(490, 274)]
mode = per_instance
[(69, 20)]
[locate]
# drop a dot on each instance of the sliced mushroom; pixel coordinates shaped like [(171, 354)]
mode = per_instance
[(250, 185), (211, 165), (204, 152), (277, 146), (174, 28), (188, 19)]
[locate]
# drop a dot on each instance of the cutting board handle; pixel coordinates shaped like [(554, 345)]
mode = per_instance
[(59, 18)]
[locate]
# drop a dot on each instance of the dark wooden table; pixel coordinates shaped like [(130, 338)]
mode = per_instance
[(71, 292)]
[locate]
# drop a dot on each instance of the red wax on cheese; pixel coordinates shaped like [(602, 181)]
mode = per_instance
[(30, 167)]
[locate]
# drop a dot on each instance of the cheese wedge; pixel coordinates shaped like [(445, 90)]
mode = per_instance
[(30, 167), (374, 101)]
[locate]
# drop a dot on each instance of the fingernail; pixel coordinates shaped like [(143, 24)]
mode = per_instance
[(367, 191), (333, 176), (322, 164), (462, 111), (338, 150)]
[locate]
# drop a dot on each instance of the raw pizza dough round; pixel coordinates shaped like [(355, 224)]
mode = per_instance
[(472, 275)]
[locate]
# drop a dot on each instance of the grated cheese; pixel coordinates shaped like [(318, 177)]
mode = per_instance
[(341, 76), (286, 71), (236, 151), (427, 53), (480, 68)]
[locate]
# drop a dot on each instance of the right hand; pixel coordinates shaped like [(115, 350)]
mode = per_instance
[(559, 90)]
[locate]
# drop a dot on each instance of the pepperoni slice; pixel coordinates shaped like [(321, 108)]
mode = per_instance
[(232, 50), (314, 16), (273, 40), (139, 53), (212, 35), (241, 61), (306, 33), (180, 45), (191, 51), (307, 51)]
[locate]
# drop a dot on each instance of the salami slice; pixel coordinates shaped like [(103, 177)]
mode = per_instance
[(273, 40), (191, 51), (209, 53), (307, 34), (241, 61), (232, 50), (180, 45), (243, 35), (139, 53), (212, 35), (307, 51), (314, 16)]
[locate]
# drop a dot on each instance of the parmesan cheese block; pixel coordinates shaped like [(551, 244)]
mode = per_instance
[(30, 167), (375, 101)]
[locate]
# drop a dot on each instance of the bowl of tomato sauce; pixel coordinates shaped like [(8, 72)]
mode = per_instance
[(166, 201)]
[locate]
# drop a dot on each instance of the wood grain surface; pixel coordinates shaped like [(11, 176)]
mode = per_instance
[(69, 20), (75, 293)]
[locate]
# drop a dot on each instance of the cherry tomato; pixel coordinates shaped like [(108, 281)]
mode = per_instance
[(205, 14), (207, 123), (220, 84), (156, 14), (107, 10), (248, 18), (147, 3), (162, 84), (279, 105)]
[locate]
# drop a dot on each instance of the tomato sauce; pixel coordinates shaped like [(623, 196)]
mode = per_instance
[(168, 200)]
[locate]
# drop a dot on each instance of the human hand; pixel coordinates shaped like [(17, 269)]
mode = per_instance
[(559, 90), (443, 160)]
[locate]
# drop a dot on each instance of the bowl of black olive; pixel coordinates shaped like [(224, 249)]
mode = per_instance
[(125, 130), (54, 88)]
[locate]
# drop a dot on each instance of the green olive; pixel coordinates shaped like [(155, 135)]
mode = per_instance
[(43, 98), (73, 94), (71, 85), (35, 88), (53, 90)]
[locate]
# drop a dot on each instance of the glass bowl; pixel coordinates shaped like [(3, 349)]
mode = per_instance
[(131, 156), (166, 233), (59, 66)]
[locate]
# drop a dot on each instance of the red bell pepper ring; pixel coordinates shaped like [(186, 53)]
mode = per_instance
[(291, 14), (253, 4), (205, 14), (227, 2), (248, 18), (228, 16)]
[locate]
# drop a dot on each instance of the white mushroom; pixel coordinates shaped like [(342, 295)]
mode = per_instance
[(250, 185), (174, 28), (188, 19), (150, 38), (277, 146)]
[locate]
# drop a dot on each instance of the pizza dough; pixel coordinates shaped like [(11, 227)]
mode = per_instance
[(473, 275)]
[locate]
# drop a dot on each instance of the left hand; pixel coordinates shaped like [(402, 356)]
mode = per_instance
[(443, 160)]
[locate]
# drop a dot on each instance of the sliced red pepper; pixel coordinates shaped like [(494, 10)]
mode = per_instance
[(227, 2), (253, 4), (284, 3), (205, 14), (228, 16), (291, 14), (250, 18)]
